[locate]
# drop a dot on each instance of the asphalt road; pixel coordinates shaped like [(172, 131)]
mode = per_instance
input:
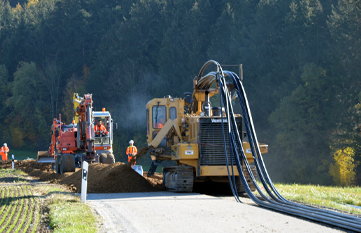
[(190, 212)]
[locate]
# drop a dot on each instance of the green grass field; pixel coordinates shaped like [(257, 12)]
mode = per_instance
[(20, 207), (68, 214), (346, 199), (22, 154)]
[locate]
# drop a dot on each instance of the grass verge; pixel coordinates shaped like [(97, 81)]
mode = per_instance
[(12, 176), (7, 172), (34, 208), (68, 214), (332, 197)]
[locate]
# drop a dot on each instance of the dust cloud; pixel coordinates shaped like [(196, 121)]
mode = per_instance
[(130, 112)]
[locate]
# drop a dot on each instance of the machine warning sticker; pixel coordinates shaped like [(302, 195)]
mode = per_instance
[(248, 151), (189, 152)]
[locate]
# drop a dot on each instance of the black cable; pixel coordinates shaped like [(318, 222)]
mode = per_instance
[(253, 151), (324, 212), (231, 179), (277, 202)]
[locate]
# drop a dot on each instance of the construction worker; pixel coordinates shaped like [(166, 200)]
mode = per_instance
[(4, 152), (100, 129), (132, 151), (159, 124)]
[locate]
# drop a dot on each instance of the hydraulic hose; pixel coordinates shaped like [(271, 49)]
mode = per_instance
[(284, 201), (272, 199), (231, 176)]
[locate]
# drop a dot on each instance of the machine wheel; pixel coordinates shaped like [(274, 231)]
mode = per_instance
[(240, 188), (61, 169), (72, 163), (103, 158), (57, 164), (110, 159), (67, 163), (107, 158), (178, 178)]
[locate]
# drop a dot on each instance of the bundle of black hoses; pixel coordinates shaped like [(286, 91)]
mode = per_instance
[(273, 200)]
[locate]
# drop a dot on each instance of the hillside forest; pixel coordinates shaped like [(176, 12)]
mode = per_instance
[(301, 63)]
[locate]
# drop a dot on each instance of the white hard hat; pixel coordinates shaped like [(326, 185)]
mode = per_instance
[(131, 141), (5, 144)]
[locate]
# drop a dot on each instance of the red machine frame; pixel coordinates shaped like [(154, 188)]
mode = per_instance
[(78, 138)]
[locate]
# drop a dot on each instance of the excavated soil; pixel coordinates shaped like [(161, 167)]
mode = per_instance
[(102, 178)]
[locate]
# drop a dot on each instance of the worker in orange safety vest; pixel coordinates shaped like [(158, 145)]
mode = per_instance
[(100, 129), (132, 151), (159, 124), (4, 152)]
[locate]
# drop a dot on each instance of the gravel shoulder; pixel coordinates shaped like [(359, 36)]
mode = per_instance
[(191, 212)]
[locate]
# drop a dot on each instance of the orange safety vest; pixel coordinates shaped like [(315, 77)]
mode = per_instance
[(132, 150), (100, 130), (158, 126), (4, 152)]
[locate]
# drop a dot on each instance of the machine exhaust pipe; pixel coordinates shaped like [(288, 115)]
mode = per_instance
[(207, 105)]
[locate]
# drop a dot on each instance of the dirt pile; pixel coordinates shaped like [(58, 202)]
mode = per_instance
[(28, 163), (156, 180), (102, 178), (114, 178)]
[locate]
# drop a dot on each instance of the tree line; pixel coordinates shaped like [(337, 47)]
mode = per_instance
[(301, 61)]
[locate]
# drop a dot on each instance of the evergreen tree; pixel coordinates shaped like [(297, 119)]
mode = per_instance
[(28, 119), (303, 137), (345, 57)]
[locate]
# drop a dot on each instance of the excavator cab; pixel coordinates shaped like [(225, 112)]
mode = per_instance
[(107, 122), (159, 117), (102, 137), (158, 112)]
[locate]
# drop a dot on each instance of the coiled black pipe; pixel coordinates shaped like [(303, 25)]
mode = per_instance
[(322, 212), (273, 199)]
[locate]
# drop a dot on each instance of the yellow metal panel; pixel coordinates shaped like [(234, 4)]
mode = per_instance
[(263, 147), (185, 151), (201, 96), (217, 170), (161, 134), (176, 127), (76, 103), (190, 162), (199, 107), (247, 150)]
